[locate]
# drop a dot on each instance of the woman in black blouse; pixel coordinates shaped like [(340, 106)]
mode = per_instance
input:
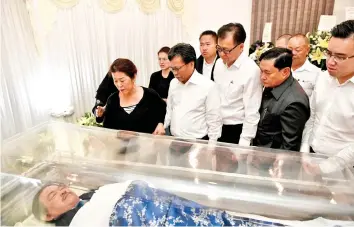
[(160, 80), (132, 108)]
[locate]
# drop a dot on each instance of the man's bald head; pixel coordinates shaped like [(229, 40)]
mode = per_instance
[(299, 44), (301, 37), (282, 41)]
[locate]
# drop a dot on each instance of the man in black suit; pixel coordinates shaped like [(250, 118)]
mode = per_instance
[(206, 61), (285, 106)]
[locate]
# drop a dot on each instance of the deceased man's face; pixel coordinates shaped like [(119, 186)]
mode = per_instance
[(58, 199)]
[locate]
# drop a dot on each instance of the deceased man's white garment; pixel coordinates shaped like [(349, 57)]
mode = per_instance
[(307, 75), (98, 210), (330, 129), (241, 95)]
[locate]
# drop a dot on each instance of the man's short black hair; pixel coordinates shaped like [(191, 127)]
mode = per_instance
[(283, 57), (239, 33), (344, 30), (185, 51), (211, 33)]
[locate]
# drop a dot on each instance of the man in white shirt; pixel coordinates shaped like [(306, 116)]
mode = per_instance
[(206, 61), (239, 83), (330, 129), (302, 69), (193, 106)]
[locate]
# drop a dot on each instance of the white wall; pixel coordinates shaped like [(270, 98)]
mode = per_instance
[(202, 15), (339, 9)]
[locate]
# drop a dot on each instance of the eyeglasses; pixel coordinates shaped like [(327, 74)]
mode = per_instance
[(336, 59), (220, 49), (176, 69)]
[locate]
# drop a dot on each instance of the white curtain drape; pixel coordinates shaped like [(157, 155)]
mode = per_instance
[(85, 40), (147, 6), (63, 64), (65, 3), (112, 6), (176, 6), (23, 100)]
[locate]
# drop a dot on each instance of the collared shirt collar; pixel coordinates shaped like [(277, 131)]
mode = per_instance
[(238, 61), (206, 63), (337, 82), (278, 91), (305, 67), (352, 79), (193, 79)]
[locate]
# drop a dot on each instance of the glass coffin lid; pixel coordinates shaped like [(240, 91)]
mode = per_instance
[(247, 180)]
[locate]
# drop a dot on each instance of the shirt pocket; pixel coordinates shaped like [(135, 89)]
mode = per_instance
[(176, 99), (197, 102), (266, 117), (233, 91), (306, 84)]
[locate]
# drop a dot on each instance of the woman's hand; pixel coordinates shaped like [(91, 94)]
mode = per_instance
[(100, 111), (160, 130)]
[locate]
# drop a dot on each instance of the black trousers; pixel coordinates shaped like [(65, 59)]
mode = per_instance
[(168, 133), (231, 133), (312, 151)]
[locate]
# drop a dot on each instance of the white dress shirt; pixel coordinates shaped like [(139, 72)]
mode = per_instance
[(207, 68), (98, 210), (330, 129), (193, 108), (307, 75), (241, 95)]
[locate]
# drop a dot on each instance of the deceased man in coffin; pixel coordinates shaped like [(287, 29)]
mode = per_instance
[(128, 204)]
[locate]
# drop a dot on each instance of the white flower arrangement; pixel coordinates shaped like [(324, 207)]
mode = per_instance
[(89, 120), (260, 49), (318, 44)]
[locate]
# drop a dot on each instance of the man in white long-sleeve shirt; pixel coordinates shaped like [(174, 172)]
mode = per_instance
[(330, 129), (193, 105), (302, 69), (239, 83)]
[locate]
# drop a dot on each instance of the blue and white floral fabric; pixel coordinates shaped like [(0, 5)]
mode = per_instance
[(145, 206)]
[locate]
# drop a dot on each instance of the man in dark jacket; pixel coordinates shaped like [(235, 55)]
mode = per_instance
[(206, 61), (285, 106)]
